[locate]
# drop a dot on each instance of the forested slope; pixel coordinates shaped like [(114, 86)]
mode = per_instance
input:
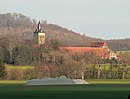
[(23, 27)]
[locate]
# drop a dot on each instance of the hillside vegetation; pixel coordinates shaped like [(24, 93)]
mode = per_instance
[(23, 26)]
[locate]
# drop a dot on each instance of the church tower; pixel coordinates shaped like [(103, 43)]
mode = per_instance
[(39, 35)]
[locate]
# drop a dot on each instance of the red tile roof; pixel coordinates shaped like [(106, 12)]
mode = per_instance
[(98, 44), (99, 48), (98, 51)]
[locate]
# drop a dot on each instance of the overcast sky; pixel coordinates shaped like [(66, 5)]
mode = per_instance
[(107, 19)]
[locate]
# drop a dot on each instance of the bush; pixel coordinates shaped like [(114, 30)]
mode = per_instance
[(2, 69)]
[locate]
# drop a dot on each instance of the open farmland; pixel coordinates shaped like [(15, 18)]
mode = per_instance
[(100, 90)]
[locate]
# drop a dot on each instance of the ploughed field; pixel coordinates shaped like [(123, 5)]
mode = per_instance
[(98, 89)]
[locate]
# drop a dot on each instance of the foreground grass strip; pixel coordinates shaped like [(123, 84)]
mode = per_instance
[(18, 90), (109, 81), (92, 91)]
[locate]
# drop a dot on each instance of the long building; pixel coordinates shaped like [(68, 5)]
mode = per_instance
[(101, 49)]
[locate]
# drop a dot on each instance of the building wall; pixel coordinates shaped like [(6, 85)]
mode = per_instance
[(41, 38)]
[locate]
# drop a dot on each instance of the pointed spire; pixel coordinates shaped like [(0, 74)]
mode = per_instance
[(39, 26)]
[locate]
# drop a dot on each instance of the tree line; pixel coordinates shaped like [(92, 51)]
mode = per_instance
[(48, 61)]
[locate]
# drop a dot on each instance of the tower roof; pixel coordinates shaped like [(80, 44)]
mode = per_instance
[(39, 28)]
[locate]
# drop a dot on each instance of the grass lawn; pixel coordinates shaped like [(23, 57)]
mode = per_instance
[(109, 81), (102, 90)]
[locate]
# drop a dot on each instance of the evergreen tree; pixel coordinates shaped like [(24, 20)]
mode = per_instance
[(2, 69)]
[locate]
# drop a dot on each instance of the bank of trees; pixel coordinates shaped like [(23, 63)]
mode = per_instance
[(48, 61)]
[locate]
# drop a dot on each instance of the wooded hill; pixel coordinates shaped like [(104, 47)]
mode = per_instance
[(23, 27)]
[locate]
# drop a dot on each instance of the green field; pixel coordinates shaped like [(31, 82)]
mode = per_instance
[(100, 90)]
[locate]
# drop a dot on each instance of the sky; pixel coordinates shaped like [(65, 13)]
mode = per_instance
[(106, 19)]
